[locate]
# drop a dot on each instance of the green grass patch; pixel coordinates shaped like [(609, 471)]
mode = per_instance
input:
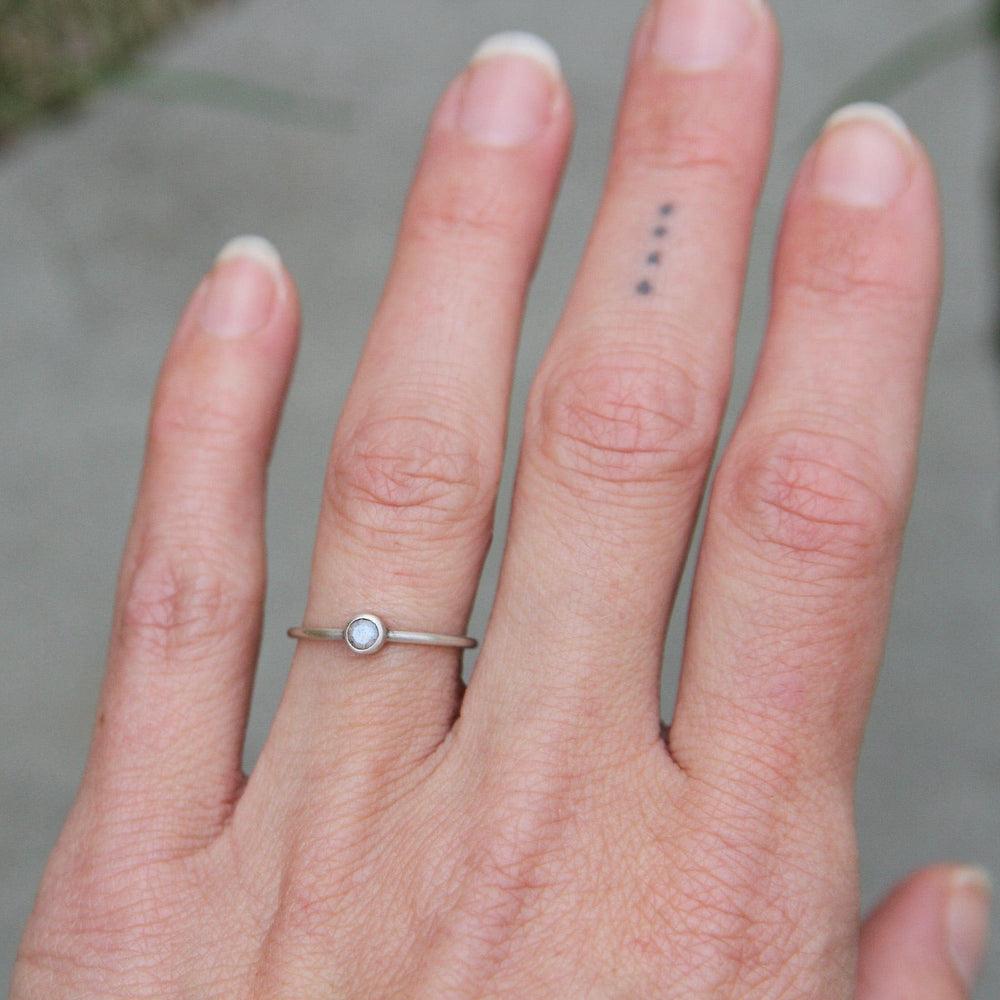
[(53, 51)]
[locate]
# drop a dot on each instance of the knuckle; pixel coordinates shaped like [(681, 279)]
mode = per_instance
[(623, 420), (744, 902), (308, 908), (398, 473), (704, 149), (469, 208), (812, 497), (835, 268), (201, 417), (510, 864), (180, 601), (749, 940)]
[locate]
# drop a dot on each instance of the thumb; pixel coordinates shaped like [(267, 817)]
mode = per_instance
[(927, 939)]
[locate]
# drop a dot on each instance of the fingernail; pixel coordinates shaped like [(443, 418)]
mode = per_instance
[(242, 288), (510, 89), (700, 35), (968, 922), (864, 157)]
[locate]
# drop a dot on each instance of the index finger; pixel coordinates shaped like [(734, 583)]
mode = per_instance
[(793, 586)]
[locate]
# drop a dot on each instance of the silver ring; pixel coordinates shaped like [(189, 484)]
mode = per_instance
[(367, 633)]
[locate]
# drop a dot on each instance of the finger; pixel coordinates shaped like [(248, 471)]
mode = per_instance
[(793, 585), (187, 621), (927, 939), (407, 510), (625, 410)]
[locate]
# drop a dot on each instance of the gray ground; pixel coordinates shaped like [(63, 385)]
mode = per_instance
[(108, 221)]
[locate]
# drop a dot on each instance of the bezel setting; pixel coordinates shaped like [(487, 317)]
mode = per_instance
[(363, 624)]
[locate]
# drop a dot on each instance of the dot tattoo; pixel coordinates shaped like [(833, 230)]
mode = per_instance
[(655, 255)]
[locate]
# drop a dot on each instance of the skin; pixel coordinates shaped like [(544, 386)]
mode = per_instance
[(534, 835)]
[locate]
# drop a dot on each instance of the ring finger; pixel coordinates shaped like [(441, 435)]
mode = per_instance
[(411, 484), (622, 419)]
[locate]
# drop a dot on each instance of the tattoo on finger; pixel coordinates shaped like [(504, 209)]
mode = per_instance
[(655, 256)]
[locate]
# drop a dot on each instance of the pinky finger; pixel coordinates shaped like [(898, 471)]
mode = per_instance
[(166, 753), (927, 939)]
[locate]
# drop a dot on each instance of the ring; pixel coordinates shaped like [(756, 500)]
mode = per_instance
[(367, 633)]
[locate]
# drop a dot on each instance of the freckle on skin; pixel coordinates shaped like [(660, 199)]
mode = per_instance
[(653, 258), (666, 209), (660, 231), (644, 288)]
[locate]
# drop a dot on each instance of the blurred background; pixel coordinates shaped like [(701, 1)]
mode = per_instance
[(137, 136)]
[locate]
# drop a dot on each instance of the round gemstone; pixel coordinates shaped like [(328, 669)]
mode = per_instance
[(362, 634)]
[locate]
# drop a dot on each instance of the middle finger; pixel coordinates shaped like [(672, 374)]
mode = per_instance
[(411, 484), (623, 416)]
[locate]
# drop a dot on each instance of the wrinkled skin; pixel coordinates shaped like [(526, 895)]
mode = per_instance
[(534, 836)]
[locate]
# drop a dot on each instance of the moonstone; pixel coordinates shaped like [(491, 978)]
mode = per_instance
[(362, 634)]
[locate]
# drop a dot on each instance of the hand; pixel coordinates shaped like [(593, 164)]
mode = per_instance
[(534, 836)]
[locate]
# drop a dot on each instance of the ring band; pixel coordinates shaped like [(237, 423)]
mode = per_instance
[(367, 633)]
